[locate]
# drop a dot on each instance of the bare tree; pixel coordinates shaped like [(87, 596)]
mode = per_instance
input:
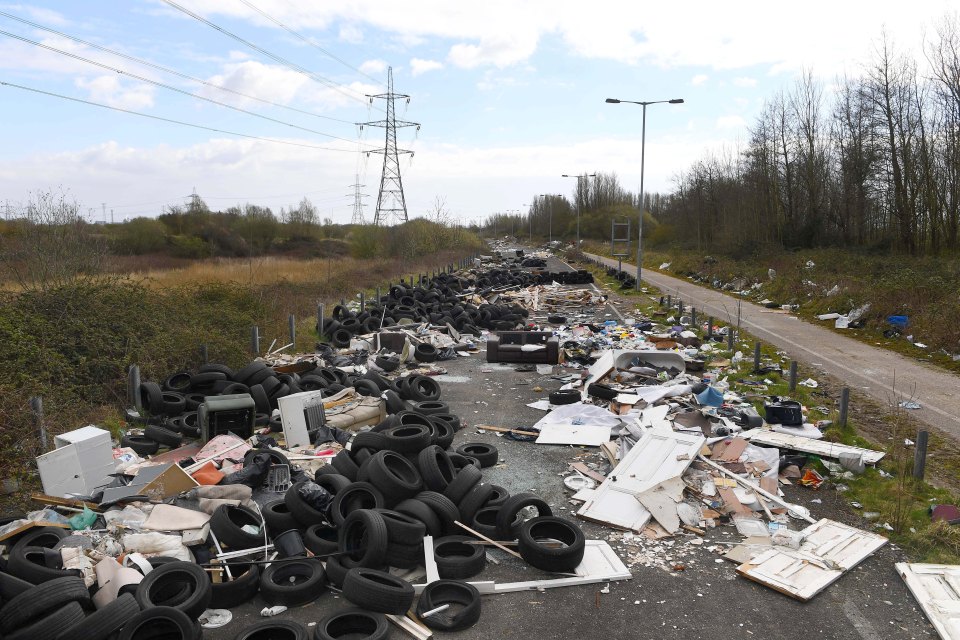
[(52, 245)]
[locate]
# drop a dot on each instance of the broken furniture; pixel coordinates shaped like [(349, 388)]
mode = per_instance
[(532, 347)]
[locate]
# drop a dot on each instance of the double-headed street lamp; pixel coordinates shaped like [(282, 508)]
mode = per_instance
[(643, 144), (583, 175)]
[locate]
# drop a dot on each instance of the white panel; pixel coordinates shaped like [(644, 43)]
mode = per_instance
[(658, 456), (819, 447), (936, 588), (829, 550)]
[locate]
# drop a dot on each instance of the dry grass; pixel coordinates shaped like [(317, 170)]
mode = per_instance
[(262, 271)]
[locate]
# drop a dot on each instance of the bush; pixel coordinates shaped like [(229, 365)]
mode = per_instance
[(137, 237)]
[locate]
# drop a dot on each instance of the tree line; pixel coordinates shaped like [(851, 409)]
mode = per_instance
[(876, 164)]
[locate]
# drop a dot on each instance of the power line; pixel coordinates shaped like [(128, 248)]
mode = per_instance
[(171, 120), (309, 41), (158, 67), (167, 86), (295, 67)]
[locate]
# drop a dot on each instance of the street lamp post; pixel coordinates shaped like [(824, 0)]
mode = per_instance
[(584, 175), (643, 144)]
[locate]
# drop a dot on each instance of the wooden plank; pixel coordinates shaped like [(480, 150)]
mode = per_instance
[(487, 427), (587, 471), (43, 498), (31, 525), (807, 445), (732, 452)]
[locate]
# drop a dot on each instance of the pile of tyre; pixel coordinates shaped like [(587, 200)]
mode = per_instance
[(172, 404), (580, 276), (626, 280)]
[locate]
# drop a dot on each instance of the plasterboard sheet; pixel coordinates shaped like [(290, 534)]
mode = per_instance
[(936, 588), (600, 564), (589, 435), (658, 456), (806, 445), (829, 550)]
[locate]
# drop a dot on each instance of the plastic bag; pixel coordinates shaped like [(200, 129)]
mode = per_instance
[(316, 496), (330, 434), (83, 520), (156, 544), (253, 474)]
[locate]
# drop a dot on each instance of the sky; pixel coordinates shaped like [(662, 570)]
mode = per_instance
[(509, 94)]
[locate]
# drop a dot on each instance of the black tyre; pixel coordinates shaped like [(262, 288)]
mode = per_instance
[(278, 517), (436, 469), (103, 623), (550, 558), (233, 593), (293, 583), (151, 397), (512, 507), (443, 432), (387, 363), (321, 539), (205, 382), (11, 586), (343, 463), (363, 535), (425, 352), (46, 537), (461, 462), (395, 403), (300, 509), (26, 562), (227, 524), (341, 338), (159, 622), (194, 400), (395, 476), (275, 630), (51, 626), (487, 454), (402, 529), (465, 480), (141, 445), (352, 623), (260, 399), (457, 558), (217, 367), (179, 382), (498, 497), (452, 592), (163, 435), (602, 391), (336, 572), (332, 482), (40, 600), (412, 438), (366, 388), (424, 514), (431, 407), (369, 440), (422, 388), (405, 556), (173, 403), (159, 582), (359, 495), (445, 509), (476, 498), (567, 396), (377, 591)]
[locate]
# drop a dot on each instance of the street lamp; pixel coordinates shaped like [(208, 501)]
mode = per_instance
[(549, 211), (643, 144), (585, 175)]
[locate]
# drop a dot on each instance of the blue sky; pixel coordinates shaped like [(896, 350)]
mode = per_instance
[(510, 94)]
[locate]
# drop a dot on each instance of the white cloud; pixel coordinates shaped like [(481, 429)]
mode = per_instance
[(40, 14), (351, 33), (373, 66), (419, 65), (662, 33), (274, 83), (745, 82), (731, 122), (698, 79), (109, 90)]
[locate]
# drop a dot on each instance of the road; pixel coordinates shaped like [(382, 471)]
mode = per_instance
[(680, 590), (878, 373)]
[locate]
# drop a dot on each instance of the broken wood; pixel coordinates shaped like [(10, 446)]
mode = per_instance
[(587, 471), (43, 498), (487, 427), (775, 499), (483, 537)]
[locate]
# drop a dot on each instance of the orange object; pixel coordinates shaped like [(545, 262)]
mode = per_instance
[(208, 474), (811, 479)]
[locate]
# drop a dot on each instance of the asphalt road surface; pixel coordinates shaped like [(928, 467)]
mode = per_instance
[(679, 589), (881, 374)]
